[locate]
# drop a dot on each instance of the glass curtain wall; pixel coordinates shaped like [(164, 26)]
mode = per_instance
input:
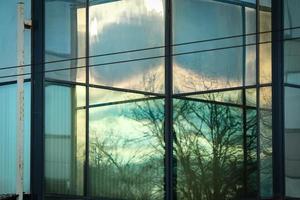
[(126, 101), (105, 99), (104, 115), (215, 106), (291, 97), (8, 98)]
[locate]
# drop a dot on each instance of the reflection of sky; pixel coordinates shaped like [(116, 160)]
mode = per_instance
[(8, 36), (125, 25), (208, 20), (134, 24), (126, 137)]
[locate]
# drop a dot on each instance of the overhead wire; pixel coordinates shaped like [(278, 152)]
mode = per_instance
[(147, 58), (147, 48)]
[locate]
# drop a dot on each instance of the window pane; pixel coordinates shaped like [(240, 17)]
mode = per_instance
[(251, 97), (141, 24), (8, 98), (250, 68), (209, 150), (292, 138), (8, 138), (202, 71), (64, 139), (127, 150), (8, 38), (292, 45), (265, 49), (65, 39), (266, 3), (231, 97), (266, 142), (251, 171)]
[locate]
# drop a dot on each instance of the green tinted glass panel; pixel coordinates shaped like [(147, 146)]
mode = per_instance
[(127, 150)]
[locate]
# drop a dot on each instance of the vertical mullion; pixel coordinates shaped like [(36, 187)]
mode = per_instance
[(277, 99), (168, 126), (258, 95), (37, 100), (86, 166), (244, 104)]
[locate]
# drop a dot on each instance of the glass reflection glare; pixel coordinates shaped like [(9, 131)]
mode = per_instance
[(141, 24)]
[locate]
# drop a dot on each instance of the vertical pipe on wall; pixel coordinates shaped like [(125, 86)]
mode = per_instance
[(20, 101), (277, 99)]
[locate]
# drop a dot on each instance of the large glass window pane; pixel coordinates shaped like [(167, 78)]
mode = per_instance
[(292, 44), (209, 150), (8, 98), (292, 96), (65, 29), (292, 138), (126, 149), (211, 69), (64, 139), (8, 39), (117, 26), (8, 138)]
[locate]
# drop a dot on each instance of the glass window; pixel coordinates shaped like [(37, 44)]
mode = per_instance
[(65, 31), (8, 134), (251, 160), (292, 138), (232, 96), (8, 98), (266, 3), (64, 139), (292, 96), (127, 150), (209, 150), (117, 26), (250, 63), (265, 48), (209, 69), (8, 41), (265, 121), (291, 45)]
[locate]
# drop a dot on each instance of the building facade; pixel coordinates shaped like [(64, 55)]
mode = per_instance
[(153, 99)]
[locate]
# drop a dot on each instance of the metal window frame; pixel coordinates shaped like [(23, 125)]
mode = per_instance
[(37, 100), (278, 100)]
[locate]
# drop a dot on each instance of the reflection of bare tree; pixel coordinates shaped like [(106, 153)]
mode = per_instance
[(265, 119), (209, 150), (208, 146), (137, 175)]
